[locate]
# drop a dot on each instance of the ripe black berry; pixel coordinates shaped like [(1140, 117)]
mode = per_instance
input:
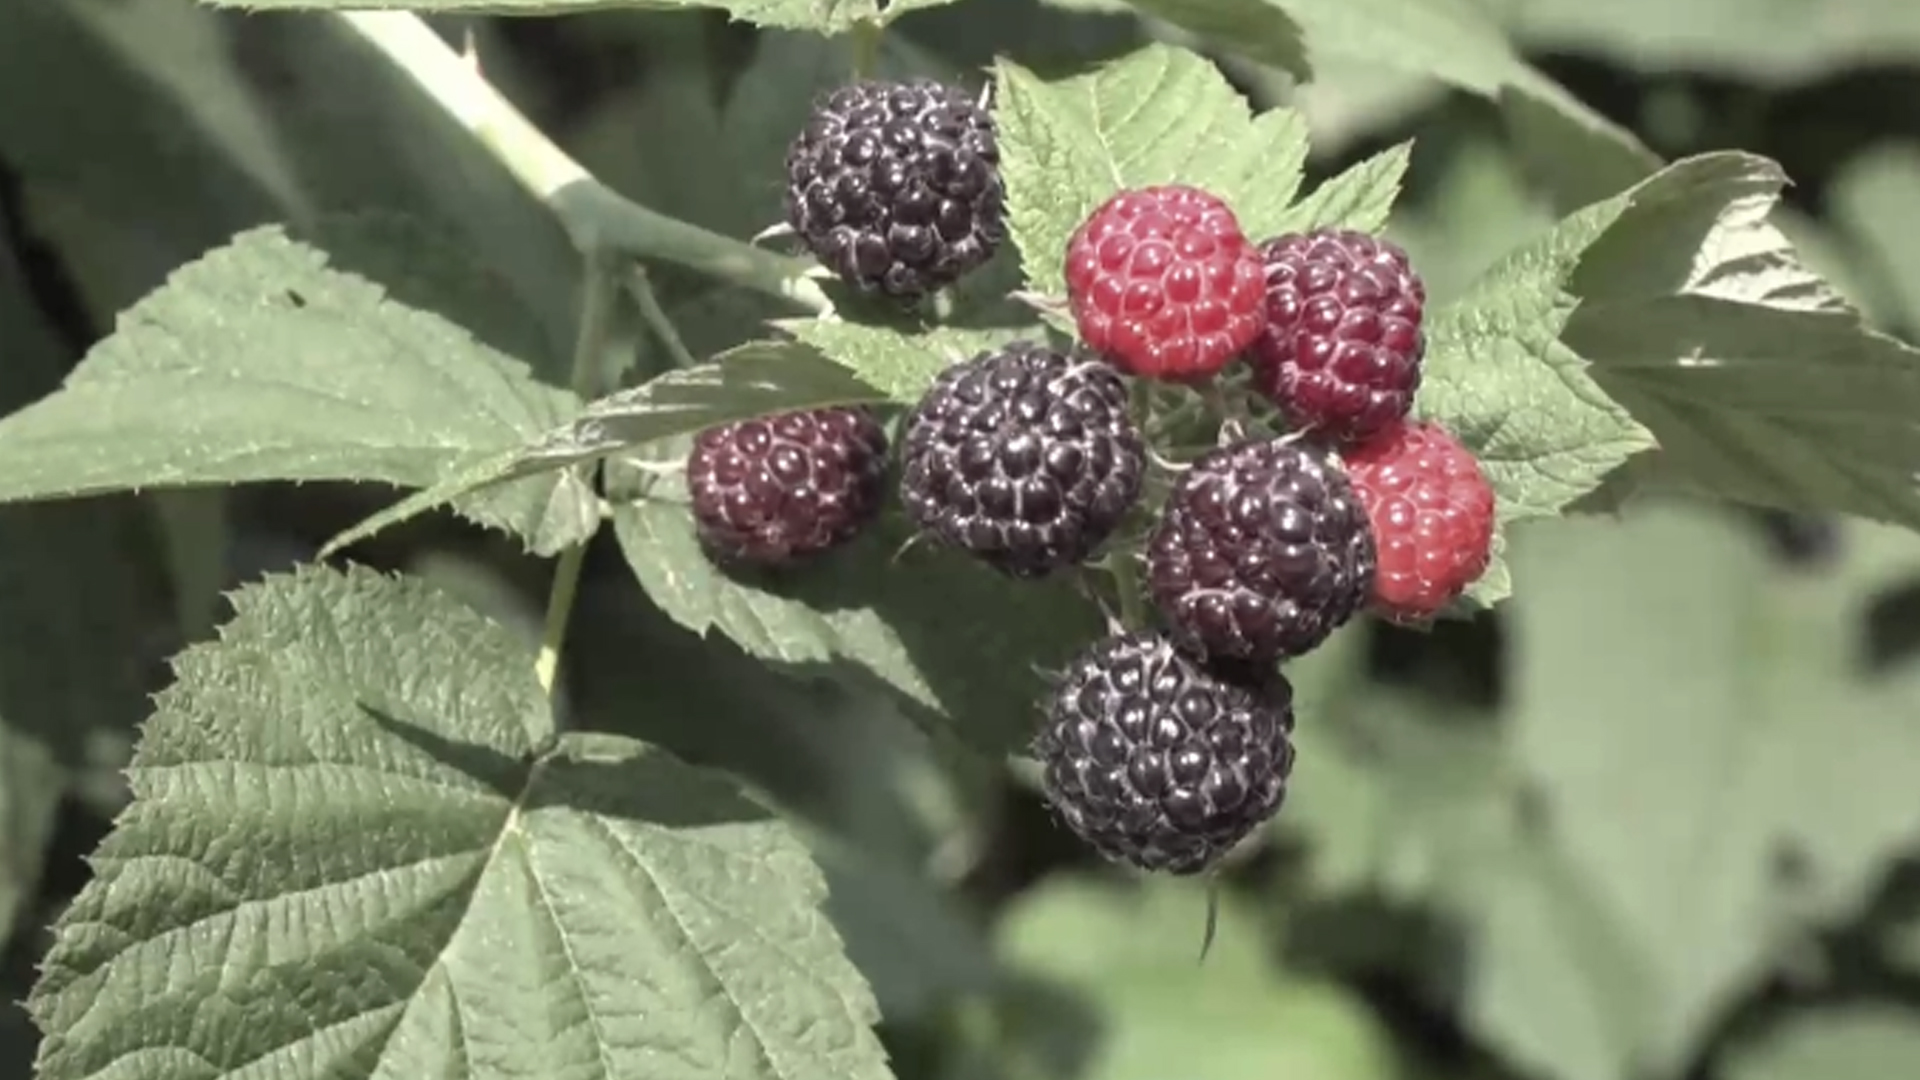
[(777, 488), (1025, 457), (1162, 760), (895, 187), (1262, 551)]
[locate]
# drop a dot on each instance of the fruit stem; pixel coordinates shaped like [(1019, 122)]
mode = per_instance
[(592, 363), (867, 37), (1132, 597), (597, 218)]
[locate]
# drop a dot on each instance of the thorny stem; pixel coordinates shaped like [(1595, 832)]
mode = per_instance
[(598, 219), (590, 365)]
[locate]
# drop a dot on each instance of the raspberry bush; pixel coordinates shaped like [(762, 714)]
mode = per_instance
[(918, 519)]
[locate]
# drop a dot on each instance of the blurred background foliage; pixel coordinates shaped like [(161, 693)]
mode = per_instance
[(1656, 818)]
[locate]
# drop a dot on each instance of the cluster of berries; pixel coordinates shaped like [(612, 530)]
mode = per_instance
[(1160, 747)]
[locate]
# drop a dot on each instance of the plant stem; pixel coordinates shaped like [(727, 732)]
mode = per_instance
[(596, 217), (867, 37), (1127, 586), (640, 285), (600, 293)]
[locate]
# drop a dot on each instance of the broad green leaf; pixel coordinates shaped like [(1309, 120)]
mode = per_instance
[(1759, 381), (1727, 732), (754, 379), (357, 848), (1500, 379), (1359, 198), (1131, 960), (839, 759), (900, 364), (950, 636), (1778, 43), (1875, 200), (1398, 795), (826, 16), (262, 362), (1159, 115), (1256, 29), (1458, 43), (1842, 1042)]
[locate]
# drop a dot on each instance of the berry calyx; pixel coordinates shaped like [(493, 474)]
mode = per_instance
[(1164, 284), (1343, 344), (1432, 512), (1162, 760), (775, 489), (895, 186), (1262, 550), (1025, 457)]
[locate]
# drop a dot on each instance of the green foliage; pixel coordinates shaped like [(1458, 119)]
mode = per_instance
[(358, 847), (1648, 815)]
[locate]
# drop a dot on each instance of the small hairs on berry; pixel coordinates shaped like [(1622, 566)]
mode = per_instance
[(775, 489), (1162, 760), (1163, 283), (1432, 512), (1262, 550), (1343, 345), (895, 186), (1025, 457)]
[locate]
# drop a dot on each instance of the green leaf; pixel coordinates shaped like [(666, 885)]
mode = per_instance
[(1132, 959), (756, 378), (1256, 29), (1731, 705), (260, 362), (948, 635), (1853, 1042), (356, 848), (1759, 381), (1457, 42), (1500, 379), (900, 364), (835, 758), (826, 16), (1158, 115), (1875, 201), (1360, 198), (1780, 44)]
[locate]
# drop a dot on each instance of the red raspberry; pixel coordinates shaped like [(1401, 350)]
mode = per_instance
[(1163, 282), (1432, 514), (1342, 348)]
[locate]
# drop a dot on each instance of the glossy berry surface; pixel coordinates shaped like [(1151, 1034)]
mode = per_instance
[(1164, 284), (1343, 345), (1161, 760), (1026, 457), (895, 186), (1262, 550), (774, 489), (1433, 515)]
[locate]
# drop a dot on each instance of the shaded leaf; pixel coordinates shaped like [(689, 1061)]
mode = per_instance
[(1359, 198), (1776, 793), (827, 16), (1259, 30), (1858, 1042), (948, 635)]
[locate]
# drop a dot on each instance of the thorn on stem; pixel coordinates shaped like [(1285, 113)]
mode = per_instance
[(777, 231)]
